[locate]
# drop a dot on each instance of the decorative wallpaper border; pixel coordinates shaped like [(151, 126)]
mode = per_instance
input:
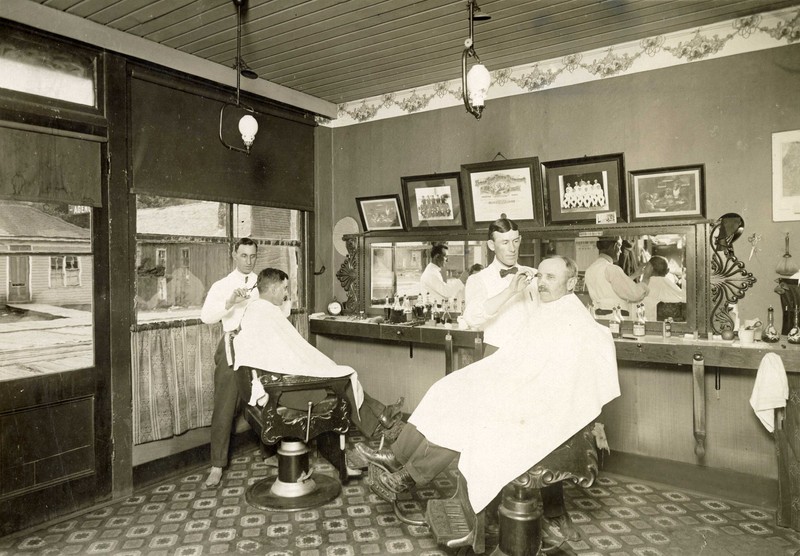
[(728, 38)]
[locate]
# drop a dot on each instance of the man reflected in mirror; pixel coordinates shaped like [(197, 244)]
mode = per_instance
[(608, 284)]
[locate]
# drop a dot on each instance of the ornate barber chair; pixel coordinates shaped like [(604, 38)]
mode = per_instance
[(455, 525), (299, 409)]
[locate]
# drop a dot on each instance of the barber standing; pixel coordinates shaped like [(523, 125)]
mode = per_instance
[(226, 302), (500, 298), (608, 284), (433, 279)]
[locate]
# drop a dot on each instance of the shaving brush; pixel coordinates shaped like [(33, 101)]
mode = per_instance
[(786, 266)]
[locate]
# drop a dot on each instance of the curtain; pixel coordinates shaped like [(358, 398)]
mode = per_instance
[(173, 378)]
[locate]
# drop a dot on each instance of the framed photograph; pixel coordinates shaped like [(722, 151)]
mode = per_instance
[(786, 176), (433, 201), (577, 190), (668, 193), (381, 212), (509, 187)]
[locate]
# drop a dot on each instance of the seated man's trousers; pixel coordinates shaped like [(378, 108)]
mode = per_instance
[(422, 459)]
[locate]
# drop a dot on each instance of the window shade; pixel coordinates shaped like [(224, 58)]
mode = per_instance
[(49, 168), (177, 152)]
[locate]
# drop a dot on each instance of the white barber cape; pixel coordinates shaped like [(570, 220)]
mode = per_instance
[(506, 412), (268, 341)]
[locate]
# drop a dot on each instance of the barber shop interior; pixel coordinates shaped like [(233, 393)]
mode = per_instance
[(426, 277)]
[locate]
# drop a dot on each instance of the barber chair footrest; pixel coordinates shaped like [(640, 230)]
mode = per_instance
[(373, 472), (261, 494), (448, 523)]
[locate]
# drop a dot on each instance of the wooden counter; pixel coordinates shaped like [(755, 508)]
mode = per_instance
[(429, 334), (715, 353)]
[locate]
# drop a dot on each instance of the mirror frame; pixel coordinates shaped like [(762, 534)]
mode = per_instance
[(357, 274)]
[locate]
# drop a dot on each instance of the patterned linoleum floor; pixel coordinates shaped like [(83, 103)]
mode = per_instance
[(617, 516)]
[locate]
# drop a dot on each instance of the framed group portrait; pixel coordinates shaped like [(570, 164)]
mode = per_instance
[(578, 190), (509, 187), (381, 212), (668, 193), (433, 201)]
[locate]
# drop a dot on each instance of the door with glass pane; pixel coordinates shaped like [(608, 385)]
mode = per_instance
[(54, 413)]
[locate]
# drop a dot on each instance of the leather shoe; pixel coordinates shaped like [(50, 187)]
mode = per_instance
[(397, 482), (385, 457), (391, 413)]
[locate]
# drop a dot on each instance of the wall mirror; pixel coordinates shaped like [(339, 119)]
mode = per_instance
[(393, 264)]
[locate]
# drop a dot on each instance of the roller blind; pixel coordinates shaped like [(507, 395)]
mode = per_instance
[(176, 151), (49, 168)]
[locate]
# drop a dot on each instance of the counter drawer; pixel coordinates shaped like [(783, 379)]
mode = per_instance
[(399, 333)]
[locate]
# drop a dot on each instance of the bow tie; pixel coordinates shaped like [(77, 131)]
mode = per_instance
[(506, 271)]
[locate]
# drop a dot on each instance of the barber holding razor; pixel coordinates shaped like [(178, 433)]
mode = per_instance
[(226, 302), (500, 298)]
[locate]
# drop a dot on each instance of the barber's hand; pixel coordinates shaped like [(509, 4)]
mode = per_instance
[(521, 281), (238, 295)]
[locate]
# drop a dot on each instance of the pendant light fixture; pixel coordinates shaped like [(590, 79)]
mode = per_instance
[(248, 125), (475, 83)]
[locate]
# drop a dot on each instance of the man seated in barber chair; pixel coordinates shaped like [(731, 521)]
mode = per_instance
[(503, 414), (268, 342)]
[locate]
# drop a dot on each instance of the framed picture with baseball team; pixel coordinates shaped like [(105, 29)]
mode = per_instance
[(509, 187), (578, 190), (433, 201), (668, 193)]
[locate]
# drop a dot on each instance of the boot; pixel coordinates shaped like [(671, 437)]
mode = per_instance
[(385, 457), (397, 482)]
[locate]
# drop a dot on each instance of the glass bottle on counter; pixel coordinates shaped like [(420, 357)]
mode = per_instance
[(615, 322), (638, 324), (794, 333), (387, 307), (408, 312), (397, 310), (770, 333), (446, 316), (428, 307), (419, 308)]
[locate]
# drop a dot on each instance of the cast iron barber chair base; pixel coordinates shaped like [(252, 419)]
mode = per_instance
[(299, 408), (294, 488), (454, 524)]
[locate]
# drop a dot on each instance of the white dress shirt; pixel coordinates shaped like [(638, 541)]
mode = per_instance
[(609, 286), (661, 289), (498, 328), (214, 306), (432, 282)]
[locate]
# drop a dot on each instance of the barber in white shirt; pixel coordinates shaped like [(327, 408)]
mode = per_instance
[(500, 298), (226, 302), (433, 280)]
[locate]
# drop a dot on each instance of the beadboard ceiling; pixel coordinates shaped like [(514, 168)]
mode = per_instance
[(344, 50)]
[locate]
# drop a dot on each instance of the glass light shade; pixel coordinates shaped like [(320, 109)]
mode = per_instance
[(478, 81), (248, 127)]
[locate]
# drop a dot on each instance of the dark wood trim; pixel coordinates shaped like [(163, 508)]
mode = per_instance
[(717, 482), (119, 275)]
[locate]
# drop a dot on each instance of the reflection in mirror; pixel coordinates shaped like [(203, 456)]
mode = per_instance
[(396, 269), (658, 260)]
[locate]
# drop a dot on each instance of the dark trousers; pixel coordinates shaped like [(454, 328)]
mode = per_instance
[(422, 459), (226, 397)]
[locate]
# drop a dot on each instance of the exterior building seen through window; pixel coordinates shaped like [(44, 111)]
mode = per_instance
[(46, 270)]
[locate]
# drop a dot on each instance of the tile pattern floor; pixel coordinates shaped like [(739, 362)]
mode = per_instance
[(617, 516)]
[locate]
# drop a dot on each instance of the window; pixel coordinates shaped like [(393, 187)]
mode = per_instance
[(46, 68), (46, 260), (183, 246)]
